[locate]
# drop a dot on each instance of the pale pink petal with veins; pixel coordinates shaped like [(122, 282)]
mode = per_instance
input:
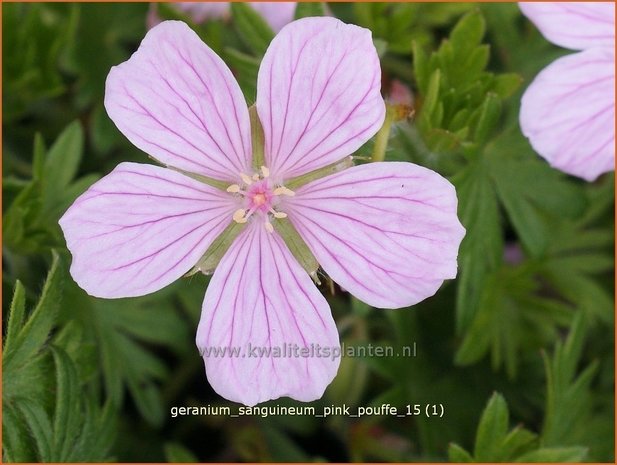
[(318, 94), (140, 228), (177, 100), (568, 113), (574, 25), (387, 232), (260, 295)]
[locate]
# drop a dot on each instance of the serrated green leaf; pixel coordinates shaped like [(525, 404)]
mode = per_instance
[(35, 332), (468, 32), (482, 248), (252, 28)]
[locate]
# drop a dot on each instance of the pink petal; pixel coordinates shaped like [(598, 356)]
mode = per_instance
[(318, 94), (276, 14), (572, 24), (568, 113), (260, 295), (202, 11), (386, 232), (140, 228), (176, 100)]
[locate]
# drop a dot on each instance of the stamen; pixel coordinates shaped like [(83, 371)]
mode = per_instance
[(265, 172), (239, 216), (246, 179), (269, 227), (234, 189), (255, 177), (279, 215), (282, 190)]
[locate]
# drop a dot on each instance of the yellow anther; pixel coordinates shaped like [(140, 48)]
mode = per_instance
[(234, 189), (239, 216), (269, 227), (280, 215), (246, 179), (282, 190), (265, 172)]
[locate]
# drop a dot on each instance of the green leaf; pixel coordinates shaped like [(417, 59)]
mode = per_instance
[(511, 319), (26, 344), (16, 315), (568, 400), (107, 37), (177, 453), (457, 454), (307, 9), (247, 68), (492, 429), (34, 37), (420, 68), (40, 428), (486, 118), (468, 32), (252, 28), (527, 188), (506, 84), (67, 414), (63, 159), (556, 455), (482, 248)]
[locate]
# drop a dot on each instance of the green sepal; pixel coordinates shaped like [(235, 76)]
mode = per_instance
[(300, 181), (217, 183), (209, 260), (297, 246), (257, 139)]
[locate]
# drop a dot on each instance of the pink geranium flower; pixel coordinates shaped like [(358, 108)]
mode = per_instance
[(568, 111), (387, 232)]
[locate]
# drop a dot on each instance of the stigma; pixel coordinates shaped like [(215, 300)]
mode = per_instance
[(262, 198)]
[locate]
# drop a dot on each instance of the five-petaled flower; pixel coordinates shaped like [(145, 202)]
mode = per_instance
[(387, 232), (568, 111)]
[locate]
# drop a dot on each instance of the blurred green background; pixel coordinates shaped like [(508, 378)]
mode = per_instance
[(519, 349)]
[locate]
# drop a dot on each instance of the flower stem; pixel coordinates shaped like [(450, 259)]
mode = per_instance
[(381, 140)]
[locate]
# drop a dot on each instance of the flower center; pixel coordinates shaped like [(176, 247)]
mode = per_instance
[(261, 197)]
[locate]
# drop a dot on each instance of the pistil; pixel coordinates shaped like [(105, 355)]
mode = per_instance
[(260, 196)]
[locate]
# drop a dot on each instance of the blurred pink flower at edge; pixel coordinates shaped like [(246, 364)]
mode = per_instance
[(568, 111), (276, 14)]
